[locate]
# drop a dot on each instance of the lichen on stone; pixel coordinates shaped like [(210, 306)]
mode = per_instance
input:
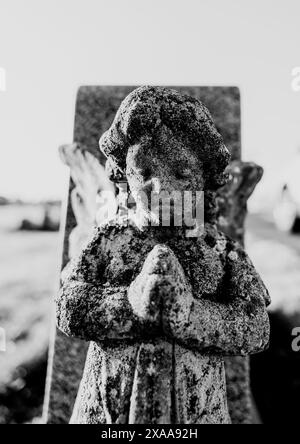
[(162, 310)]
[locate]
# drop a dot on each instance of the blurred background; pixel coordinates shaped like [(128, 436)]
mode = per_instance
[(47, 50)]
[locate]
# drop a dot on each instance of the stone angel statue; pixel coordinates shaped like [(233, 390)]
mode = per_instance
[(161, 309)]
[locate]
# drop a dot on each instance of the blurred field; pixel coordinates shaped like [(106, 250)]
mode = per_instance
[(275, 374), (28, 275)]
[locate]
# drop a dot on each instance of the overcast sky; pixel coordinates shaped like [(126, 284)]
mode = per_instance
[(50, 47)]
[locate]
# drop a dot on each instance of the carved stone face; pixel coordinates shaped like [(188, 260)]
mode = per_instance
[(163, 167), (162, 143)]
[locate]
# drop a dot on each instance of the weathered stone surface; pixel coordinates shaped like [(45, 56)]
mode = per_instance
[(232, 211), (95, 110), (196, 374), (205, 290), (90, 182), (151, 400), (165, 121), (66, 358), (232, 198), (106, 388)]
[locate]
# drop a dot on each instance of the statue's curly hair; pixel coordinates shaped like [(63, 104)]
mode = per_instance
[(148, 109)]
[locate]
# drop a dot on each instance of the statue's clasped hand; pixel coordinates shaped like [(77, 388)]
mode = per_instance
[(160, 296)]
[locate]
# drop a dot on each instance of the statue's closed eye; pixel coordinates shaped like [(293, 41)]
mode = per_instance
[(184, 173)]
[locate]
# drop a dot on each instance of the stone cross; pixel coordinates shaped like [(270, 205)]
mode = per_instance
[(142, 329)]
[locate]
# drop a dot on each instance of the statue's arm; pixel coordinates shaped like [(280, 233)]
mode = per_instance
[(238, 326), (95, 313), (92, 310), (88, 309)]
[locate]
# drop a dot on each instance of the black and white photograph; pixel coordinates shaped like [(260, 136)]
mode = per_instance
[(149, 215)]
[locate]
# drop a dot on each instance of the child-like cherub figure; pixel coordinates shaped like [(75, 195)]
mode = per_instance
[(162, 309)]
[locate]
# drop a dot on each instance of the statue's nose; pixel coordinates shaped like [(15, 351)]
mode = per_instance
[(159, 185), (154, 185)]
